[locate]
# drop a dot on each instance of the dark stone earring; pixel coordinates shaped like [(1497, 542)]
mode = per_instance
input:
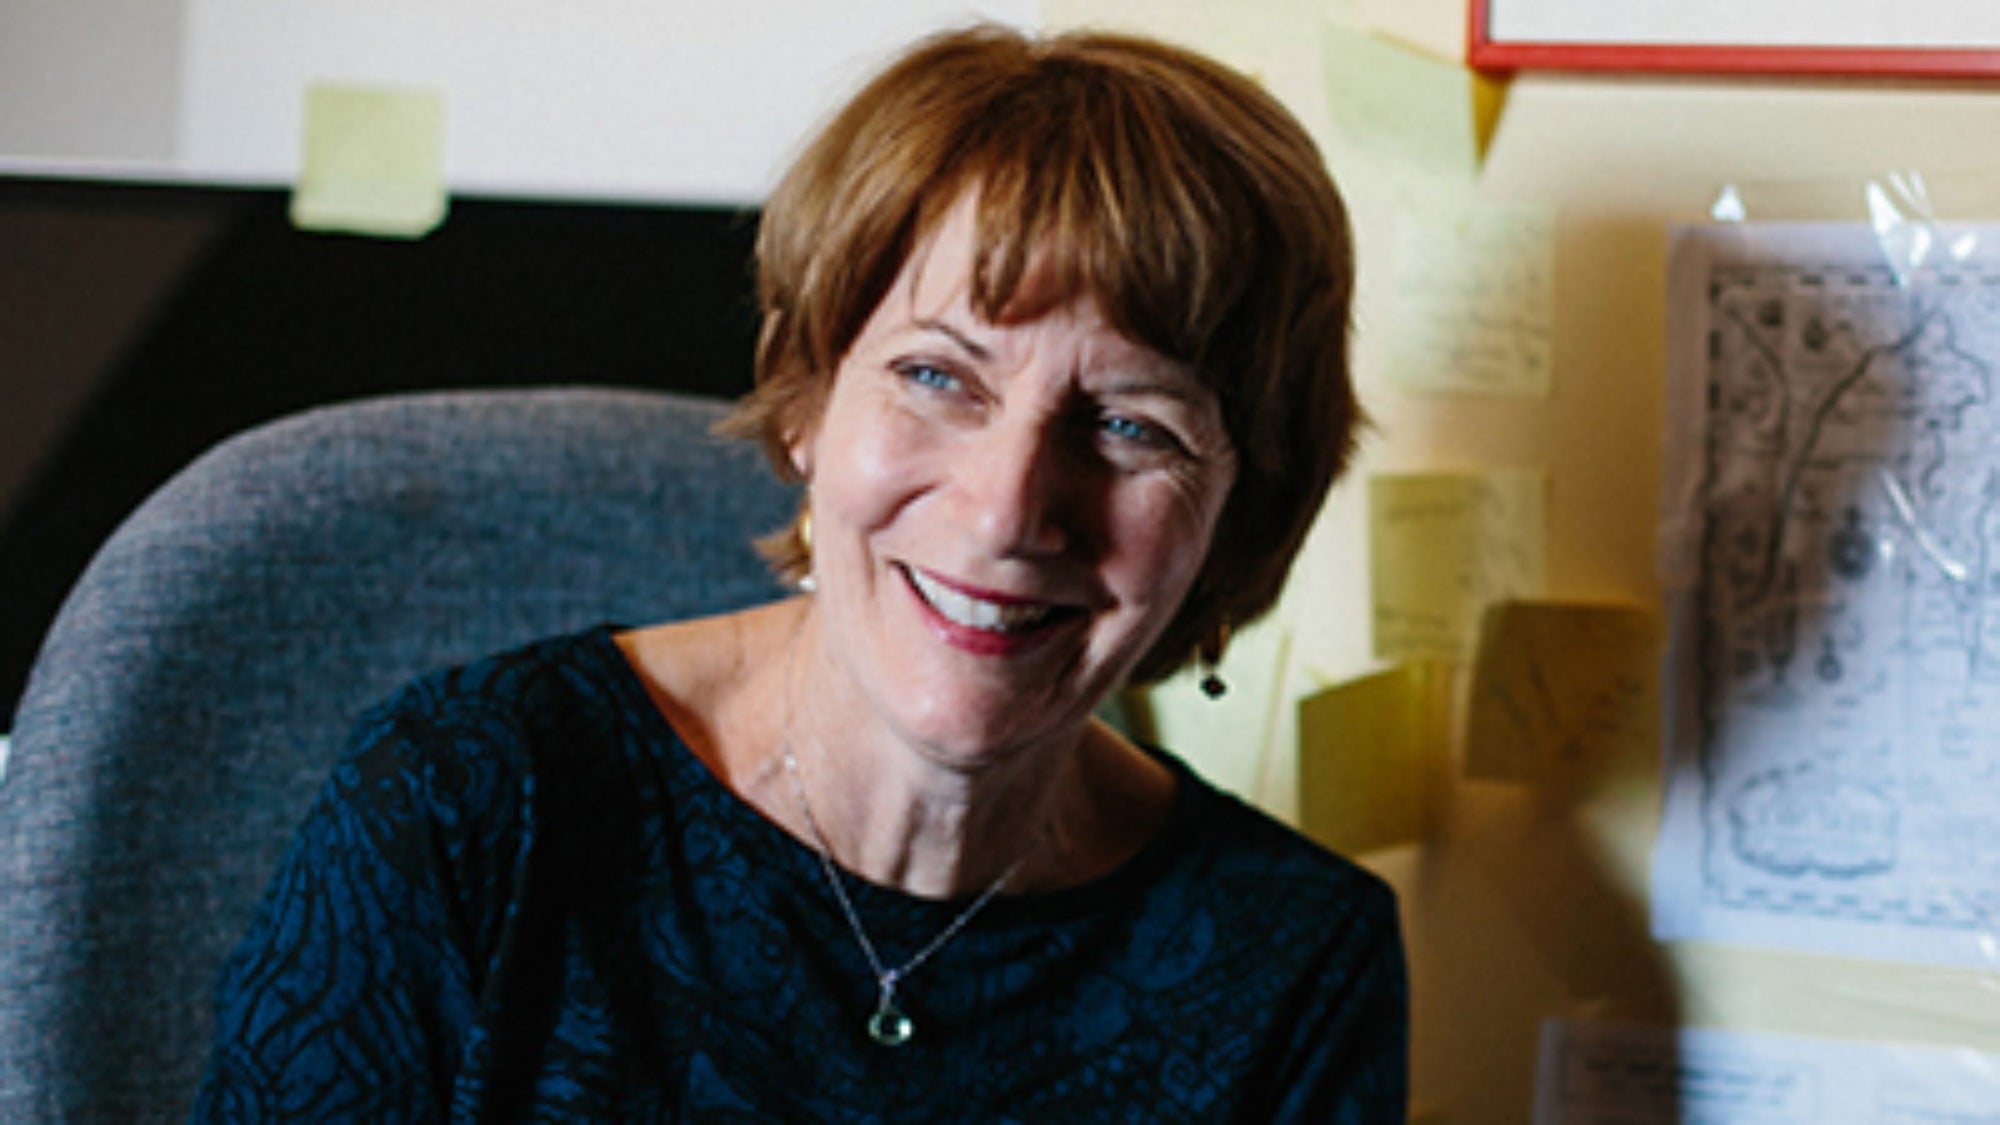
[(1209, 654)]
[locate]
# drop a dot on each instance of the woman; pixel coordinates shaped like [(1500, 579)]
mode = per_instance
[(1055, 334)]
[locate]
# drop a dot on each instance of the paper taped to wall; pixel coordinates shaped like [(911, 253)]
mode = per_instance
[(1474, 299), (1225, 738), (372, 161), (1365, 760), (1444, 546), (1429, 119), (1558, 688), (1619, 1074), (1831, 545)]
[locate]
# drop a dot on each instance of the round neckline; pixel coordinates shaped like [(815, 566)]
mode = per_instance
[(802, 863)]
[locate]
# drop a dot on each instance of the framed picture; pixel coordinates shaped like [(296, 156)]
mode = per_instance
[(1882, 38)]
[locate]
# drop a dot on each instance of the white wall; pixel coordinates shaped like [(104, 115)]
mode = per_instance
[(694, 101)]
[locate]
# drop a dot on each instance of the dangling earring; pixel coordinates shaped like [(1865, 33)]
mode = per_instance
[(1209, 654), (807, 584)]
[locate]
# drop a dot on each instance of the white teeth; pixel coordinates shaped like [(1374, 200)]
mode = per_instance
[(975, 613)]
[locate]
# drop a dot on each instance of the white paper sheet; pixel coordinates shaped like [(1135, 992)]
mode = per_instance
[(1474, 299), (1766, 23), (1613, 1074), (1831, 548)]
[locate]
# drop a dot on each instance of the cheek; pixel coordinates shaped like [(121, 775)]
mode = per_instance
[(1160, 542), (866, 472)]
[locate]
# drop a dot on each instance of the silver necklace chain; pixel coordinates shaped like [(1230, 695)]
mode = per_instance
[(890, 1025)]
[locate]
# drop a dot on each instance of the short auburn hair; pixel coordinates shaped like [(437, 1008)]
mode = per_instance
[(1174, 190)]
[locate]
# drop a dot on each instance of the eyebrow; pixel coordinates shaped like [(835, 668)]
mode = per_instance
[(1185, 387), (972, 347), (1180, 382)]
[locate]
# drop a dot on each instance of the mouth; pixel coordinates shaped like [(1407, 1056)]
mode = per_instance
[(1008, 616)]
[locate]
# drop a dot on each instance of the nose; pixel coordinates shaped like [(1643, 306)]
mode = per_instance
[(1012, 485)]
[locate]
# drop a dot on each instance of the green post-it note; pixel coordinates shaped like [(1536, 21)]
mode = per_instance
[(373, 161), (1430, 119), (1365, 750), (1442, 547)]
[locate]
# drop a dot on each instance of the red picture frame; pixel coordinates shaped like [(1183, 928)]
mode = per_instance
[(1970, 60)]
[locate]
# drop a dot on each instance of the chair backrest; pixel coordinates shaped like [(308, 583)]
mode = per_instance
[(190, 698)]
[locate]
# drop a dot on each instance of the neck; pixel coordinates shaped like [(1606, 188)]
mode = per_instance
[(926, 821), (932, 857), (934, 836), (743, 688)]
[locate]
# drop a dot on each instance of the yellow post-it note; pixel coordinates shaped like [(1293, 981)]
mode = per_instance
[(1559, 688), (1435, 27), (1364, 755), (373, 161), (1224, 738), (1424, 116), (1474, 294), (1443, 547)]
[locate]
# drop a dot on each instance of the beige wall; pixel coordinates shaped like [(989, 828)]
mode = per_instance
[(1523, 906)]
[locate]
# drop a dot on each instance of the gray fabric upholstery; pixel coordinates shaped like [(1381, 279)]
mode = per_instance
[(190, 698)]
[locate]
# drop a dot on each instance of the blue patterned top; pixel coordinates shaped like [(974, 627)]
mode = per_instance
[(521, 897)]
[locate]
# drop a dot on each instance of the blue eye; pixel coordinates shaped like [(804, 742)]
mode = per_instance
[(1127, 429), (926, 375)]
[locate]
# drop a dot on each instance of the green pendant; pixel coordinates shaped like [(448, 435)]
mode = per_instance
[(889, 1025)]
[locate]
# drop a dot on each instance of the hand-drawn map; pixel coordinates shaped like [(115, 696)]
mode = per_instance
[(1832, 556)]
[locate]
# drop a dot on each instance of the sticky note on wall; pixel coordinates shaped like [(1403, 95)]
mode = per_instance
[(1435, 27), (1224, 738), (1474, 299), (372, 161), (1443, 547), (1560, 688), (1364, 761), (1423, 117)]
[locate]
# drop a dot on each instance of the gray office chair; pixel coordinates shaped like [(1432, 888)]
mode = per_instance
[(192, 695)]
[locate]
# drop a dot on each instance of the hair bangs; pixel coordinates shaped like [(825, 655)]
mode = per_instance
[(1083, 191)]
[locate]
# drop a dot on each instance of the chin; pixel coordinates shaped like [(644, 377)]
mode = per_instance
[(980, 727)]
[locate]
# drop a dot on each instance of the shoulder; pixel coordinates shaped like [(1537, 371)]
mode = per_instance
[(1294, 952), (477, 736), (1267, 871), (506, 701), (520, 683), (464, 776)]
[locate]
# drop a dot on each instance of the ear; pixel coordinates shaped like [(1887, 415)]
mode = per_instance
[(800, 449), (801, 418)]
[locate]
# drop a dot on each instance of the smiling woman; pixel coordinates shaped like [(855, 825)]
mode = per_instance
[(1006, 516), (1055, 333)]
